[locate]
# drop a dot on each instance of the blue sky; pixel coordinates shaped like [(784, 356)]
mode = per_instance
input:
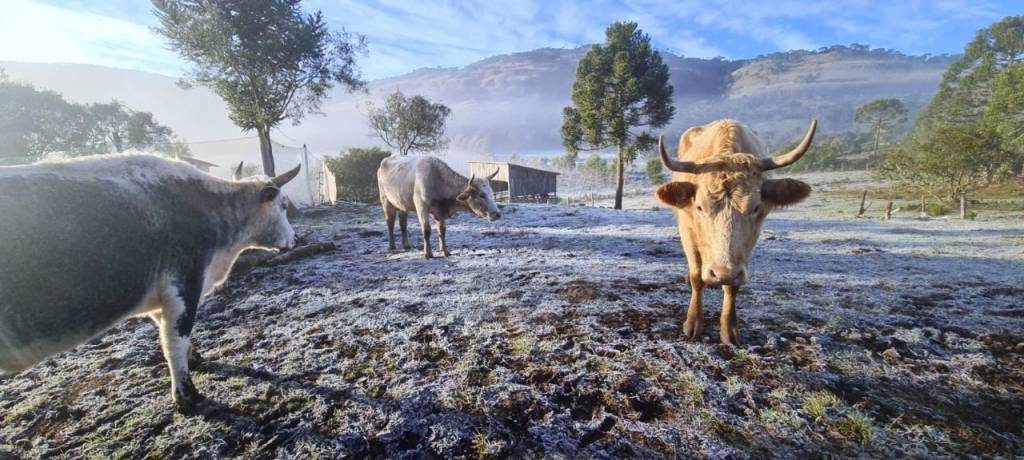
[(406, 35)]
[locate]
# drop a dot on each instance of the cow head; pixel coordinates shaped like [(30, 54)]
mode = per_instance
[(479, 197), (725, 199), (270, 228)]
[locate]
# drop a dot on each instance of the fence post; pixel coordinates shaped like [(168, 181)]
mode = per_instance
[(863, 197), (963, 205), (888, 211)]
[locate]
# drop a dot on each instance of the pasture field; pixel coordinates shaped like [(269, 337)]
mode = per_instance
[(555, 331)]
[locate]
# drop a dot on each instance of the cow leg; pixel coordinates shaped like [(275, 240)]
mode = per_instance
[(194, 357), (424, 216), (176, 320), (440, 237), (403, 221), (729, 333), (389, 215), (693, 328)]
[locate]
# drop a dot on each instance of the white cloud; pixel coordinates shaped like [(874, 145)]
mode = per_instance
[(405, 35), (34, 32)]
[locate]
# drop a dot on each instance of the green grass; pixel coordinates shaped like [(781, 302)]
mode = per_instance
[(856, 427), (818, 402), (25, 408), (521, 346)]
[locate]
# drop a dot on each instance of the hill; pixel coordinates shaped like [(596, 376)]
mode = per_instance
[(512, 103)]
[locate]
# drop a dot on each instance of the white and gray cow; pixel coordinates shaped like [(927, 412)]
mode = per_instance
[(89, 242), (429, 187)]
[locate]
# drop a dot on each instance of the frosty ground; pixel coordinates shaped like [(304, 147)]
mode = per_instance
[(556, 332)]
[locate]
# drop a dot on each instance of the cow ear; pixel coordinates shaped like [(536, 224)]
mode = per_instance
[(268, 194), (784, 192), (677, 194)]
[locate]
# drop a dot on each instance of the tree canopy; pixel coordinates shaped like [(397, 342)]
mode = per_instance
[(410, 124), (34, 123), (970, 134), (621, 88), (882, 116), (267, 59)]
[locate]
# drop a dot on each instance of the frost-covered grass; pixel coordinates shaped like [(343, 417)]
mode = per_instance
[(557, 331)]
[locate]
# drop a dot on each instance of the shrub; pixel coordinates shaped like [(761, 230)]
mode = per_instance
[(655, 173), (355, 173), (936, 209), (596, 166)]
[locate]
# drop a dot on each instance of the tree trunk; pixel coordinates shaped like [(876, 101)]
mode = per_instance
[(963, 205), (266, 151), (888, 211), (878, 137), (619, 167)]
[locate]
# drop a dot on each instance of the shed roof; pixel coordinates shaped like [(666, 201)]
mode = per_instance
[(510, 165)]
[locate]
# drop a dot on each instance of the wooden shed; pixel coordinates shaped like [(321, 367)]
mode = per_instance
[(517, 180)]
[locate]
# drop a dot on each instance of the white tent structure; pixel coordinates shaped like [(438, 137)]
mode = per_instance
[(313, 186)]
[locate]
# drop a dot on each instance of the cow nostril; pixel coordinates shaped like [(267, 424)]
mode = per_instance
[(712, 274)]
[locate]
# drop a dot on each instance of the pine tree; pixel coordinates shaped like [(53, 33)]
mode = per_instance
[(621, 87)]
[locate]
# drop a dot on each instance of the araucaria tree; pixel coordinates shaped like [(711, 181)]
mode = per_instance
[(881, 116), (410, 124), (267, 59), (970, 134), (621, 88)]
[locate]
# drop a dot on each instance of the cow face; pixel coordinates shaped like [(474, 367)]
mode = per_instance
[(723, 201), (271, 229), (479, 197)]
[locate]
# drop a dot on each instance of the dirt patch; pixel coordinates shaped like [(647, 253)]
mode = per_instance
[(579, 291)]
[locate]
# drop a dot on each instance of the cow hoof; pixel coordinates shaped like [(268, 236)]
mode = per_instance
[(446, 253), (693, 330), (188, 404), (730, 336), (428, 255)]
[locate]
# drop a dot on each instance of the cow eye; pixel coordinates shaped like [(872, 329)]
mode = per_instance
[(700, 208), (756, 210)]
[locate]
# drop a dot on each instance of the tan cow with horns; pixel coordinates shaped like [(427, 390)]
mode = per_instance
[(720, 196)]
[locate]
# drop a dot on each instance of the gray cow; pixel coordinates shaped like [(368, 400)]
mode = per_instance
[(87, 243), (427, 186)]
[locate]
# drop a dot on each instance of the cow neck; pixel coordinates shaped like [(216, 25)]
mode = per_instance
[(452, 184), (234, 218)]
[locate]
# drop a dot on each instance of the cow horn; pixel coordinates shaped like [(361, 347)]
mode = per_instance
[(789, 158), (471, 177), (495, 173), (672, 164), (237, 173), (279, 181)]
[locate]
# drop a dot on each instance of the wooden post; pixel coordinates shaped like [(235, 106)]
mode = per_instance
[(923, 214), (888, 211), (863, 197), (963, 205), (509, 171)]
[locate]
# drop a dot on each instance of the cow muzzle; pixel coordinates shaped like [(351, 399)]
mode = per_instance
[(720, 275)]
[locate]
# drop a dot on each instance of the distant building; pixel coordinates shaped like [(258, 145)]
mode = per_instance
[(517, 180)]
